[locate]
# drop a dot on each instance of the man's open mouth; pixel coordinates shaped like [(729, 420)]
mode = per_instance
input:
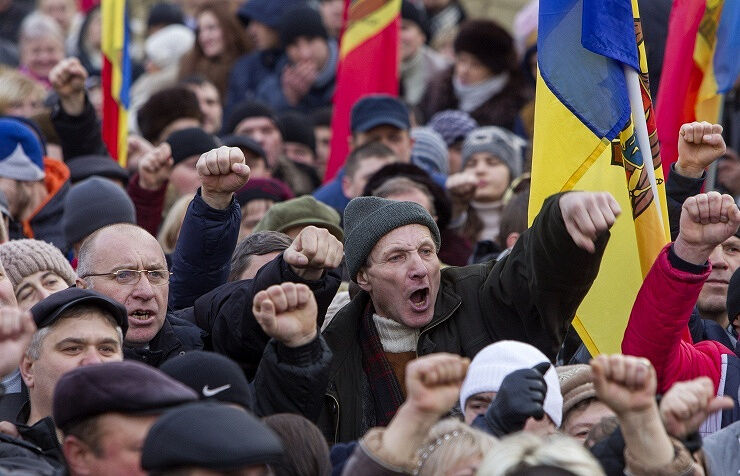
[(420, 299), (141, 315)]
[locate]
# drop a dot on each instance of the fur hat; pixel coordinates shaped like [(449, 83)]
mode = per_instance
[(489, 43), (22, 258), (165, 107)]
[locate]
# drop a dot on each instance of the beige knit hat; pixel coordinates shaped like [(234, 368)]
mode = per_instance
[(576, 385), (22, 258)]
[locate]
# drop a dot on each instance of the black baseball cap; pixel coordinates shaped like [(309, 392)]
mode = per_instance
[(47, 311)]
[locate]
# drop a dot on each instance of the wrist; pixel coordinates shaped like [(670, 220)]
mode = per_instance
[(688, 170), (219, 201), (308, 274), (693, 253), (73, 105), (150, 185), (299, 341)]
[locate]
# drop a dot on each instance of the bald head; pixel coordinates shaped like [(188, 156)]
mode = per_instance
[(127, 247)]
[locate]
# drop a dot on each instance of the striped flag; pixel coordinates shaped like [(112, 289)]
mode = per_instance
[(700, 64), (594, 127), (368, 64), (116, 77)]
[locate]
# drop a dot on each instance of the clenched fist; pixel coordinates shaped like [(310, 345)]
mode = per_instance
[(707, 220), (699, 144), (313, 251), (222, 172), (587, 215), (287, 312)]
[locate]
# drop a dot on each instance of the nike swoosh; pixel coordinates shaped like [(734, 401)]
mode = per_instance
[(209, 392)]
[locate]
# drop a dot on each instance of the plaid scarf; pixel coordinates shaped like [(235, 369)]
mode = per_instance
[(384, 386)]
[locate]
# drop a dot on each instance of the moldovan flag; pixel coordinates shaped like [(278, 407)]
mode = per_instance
[(700, 65), (368, 64), (592, 76), (116, 77)]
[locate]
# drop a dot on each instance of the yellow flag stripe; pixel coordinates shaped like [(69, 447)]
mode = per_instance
[(361, 29), (587, 164)]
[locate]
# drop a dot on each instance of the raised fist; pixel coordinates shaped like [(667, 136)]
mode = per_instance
[(433, 382), (587, 215), (313, 251), (287, 312), (155, 167), (699, 144), (16, 329), (687, 404), (625, 383), (68, 80), (222, 172), (707, 220)]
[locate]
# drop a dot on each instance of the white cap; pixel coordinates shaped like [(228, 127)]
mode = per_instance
[(496, 361), (165, 47)]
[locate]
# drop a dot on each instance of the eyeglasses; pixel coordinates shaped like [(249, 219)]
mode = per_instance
[(130, 277)]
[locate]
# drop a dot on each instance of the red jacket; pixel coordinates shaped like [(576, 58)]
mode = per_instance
[(657, 328)]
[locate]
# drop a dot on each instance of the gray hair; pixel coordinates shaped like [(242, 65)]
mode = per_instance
[(259, 243), (38, 25), (33, 351), (399, 185)]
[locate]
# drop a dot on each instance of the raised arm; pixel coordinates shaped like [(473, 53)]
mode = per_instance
[(210, 230)]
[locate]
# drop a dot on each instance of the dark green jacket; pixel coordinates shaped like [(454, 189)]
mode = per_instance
[(531, 295)]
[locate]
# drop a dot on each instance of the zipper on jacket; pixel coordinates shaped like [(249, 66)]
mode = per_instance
[(336, 425), (444, 319)]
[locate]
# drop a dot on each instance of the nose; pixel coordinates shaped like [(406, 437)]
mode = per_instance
[(44, 293), (718, 259), (417, 270), (143, 289), (91, 357)]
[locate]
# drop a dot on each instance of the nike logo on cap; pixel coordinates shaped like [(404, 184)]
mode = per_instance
[(209, 392)]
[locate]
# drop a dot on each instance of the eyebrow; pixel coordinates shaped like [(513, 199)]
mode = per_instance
[(77, 340)]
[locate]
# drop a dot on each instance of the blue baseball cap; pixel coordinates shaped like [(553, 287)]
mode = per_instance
[(379, 110)]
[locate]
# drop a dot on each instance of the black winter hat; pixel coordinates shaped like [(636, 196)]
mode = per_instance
[(245, 110), (165, 13), (244, 142), (92, 204), (87, 166), (297, 128), (733, 296), (412, 13), (126, 387), (47, 311), (212, 376), (188, 142), (301, 21), (165, 107), (211, 436), (489, 43)]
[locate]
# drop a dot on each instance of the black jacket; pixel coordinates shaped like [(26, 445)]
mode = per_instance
[(677, 189), (37, 452), (225, 314), (531, 295)]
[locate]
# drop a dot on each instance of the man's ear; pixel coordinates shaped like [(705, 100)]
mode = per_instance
[(81, 283), (77, 454), (26, 368), (363, 281)]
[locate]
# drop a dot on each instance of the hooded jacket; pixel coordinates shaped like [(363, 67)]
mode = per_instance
[(531, 295)]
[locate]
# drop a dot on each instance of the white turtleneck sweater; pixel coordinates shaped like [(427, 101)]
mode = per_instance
[(490, 215)]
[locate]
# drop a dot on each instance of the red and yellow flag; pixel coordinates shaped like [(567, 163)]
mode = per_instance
[(700, 65), (116, 77), (368, 64)]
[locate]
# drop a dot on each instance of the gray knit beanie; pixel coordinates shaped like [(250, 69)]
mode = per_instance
[(504, 144), (22, 258), (368, 219), (92, 204), (429, 151)]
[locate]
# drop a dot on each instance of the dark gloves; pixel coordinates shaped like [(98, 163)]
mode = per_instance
[(521, 395)]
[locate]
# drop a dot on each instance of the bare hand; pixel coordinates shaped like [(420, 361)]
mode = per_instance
[(461, 187), (707, 220), (222, 172), (313, 251), (587, 215), (287, 312), (433, 382), (297, 80), (137, 147), (626, 384), (16, 329), (687, 404), (68, 80), (155, 167), (699, 144)]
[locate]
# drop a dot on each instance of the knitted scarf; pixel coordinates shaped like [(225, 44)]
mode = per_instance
[(384, 387)]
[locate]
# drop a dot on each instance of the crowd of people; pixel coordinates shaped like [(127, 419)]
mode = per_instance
[(219, 306)]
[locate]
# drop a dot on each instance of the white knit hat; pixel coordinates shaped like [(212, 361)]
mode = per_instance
[(166, 46), (496, 361)]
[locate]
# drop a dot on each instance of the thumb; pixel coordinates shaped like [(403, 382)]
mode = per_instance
[(241, 169), (542, 368), (720, 403)]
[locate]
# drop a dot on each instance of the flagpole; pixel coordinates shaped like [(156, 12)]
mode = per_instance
[(640, 123)]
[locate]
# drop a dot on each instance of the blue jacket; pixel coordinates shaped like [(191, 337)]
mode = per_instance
[(202, 257), (332, 194), (248, 73)]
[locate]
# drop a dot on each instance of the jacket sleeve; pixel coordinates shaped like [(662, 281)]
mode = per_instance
[(292, 380), (533, 293), (226, 312), (369, 458), (149, 204), (79, 135), (658, 323), (202, 256), (677, 189)]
